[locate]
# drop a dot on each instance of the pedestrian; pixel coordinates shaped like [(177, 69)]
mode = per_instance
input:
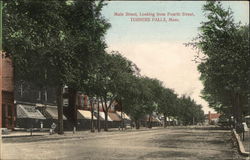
[(53, 127)]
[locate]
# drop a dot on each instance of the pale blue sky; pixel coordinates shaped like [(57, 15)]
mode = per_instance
[(157, 47), (123, 30)]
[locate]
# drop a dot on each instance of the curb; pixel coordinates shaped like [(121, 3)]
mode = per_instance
[(240, 145)]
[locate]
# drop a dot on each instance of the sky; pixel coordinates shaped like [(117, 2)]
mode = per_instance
[(157, 46)]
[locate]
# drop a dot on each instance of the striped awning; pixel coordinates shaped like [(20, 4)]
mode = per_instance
[(28, 111), (102, 114), (96, 115), (155, 119), (114, 116), (52, 111), (84, 114), (124, 115)]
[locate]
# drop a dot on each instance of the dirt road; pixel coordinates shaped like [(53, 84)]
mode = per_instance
[(169, 144)]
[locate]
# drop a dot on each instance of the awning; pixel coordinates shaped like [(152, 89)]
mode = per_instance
[(155, 119), (124, 115), (158, 120), (84, 114), (102, 114), (114, 117), (28, 111), (96, 115), (52, 111), (247, 116)]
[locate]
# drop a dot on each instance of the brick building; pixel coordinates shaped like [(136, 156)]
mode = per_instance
[(7, 108), (212, 118)]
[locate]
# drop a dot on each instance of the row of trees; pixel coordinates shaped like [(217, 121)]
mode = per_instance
[(147, 96), (224, 61), (54, 44), (62, 43)]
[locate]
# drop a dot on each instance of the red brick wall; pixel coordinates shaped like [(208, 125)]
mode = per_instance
[(7, 74), (6, 87)]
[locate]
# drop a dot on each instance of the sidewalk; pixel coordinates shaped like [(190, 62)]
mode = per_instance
[(45, 132), (13, 134), (69, 134), (246, 141)]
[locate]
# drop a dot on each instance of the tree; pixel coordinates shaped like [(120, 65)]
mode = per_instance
[(224, 64), (188, 111), (167, 104), (140, 98), (109, 80), (133, 100), (35, 37), (88, 28), (151, 91), (51, 43)]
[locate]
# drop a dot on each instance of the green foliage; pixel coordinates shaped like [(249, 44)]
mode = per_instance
[(167, 102), (54, 44), (33, 37), (109, 77), (189, 112), (225, 64)]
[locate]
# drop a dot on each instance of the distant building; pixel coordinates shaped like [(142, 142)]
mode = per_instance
[(7, 108), (212, 118)]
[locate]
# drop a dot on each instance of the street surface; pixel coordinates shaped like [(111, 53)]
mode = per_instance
[(156, 144)]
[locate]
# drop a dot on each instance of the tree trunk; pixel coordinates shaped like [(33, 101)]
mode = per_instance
[(92, 115), (165, 121), (106, 121), (60, 109), (72, 105), (106, 115), (237, 108), (137, 124), (122, 117), (234, 111), (150, 121), (103, 108), (98, 115)]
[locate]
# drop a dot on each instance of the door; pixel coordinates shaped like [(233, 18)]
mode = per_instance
[(8, 116)]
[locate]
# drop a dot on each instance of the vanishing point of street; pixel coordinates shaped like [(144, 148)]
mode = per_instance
[(202, 143)]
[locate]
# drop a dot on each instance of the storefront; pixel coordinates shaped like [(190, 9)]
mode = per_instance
[(7, 110), (28, 116), (84, 119)]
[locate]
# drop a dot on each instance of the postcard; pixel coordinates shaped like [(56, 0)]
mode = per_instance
[(109, 80)]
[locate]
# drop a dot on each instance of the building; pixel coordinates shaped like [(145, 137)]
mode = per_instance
[(28, 92), (7, 108), (212, 118)]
